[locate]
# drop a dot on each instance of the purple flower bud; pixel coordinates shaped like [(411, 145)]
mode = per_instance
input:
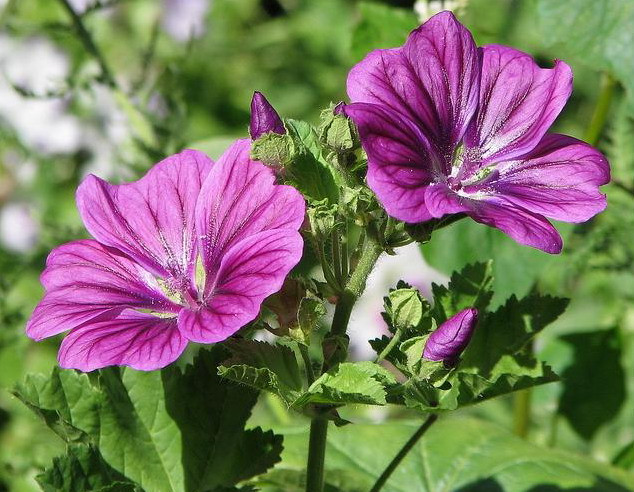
[(339, 109), (264, 118), (452, 337)]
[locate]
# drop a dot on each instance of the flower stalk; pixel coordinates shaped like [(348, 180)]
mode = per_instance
[(601, 110), (383, 478), (370, 252)]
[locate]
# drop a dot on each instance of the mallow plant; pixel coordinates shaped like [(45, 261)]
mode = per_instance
[(165, 305)]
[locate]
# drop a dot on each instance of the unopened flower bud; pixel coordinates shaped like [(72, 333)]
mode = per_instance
[(264, 118), (452, 337)]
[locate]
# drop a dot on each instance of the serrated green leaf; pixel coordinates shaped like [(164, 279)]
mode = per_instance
[(380, 26), (264, 366), (82, 469), (499, 339), (350, 382), (594, 384), (470, 287), (516, 267), (456, 454), (167, 430), (66, 401), (211, 414)]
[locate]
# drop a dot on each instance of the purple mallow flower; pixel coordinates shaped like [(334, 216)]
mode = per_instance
[(449, 127), (187, 253), (448, 341), (264, 118)]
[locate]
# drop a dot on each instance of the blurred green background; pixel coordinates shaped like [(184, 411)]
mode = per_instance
[(150, 77)]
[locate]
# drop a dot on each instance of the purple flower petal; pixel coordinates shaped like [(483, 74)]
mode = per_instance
[(152, 219), (264, 118), (444, 56), (134, 339), (84, 279), (525, 227), (433, 80), (559, 179), (250, 271), (440, 200), (240, 199), (399, 162), (518, 103), (448, 341)]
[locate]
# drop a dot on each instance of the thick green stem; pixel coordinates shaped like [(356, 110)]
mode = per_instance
[(601, 110), (371, 250), (316, 455), (522, 412), (403, 452)]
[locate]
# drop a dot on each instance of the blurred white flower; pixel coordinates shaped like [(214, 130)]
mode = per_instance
[(38, 66), (81, 5), (19, 231), (366, 322), (427, 8), (185, 19)]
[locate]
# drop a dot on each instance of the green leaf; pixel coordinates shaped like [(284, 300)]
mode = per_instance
[(497, 361), (137, 436), (504, 334), (381, 26), (66, 401), (165, 430), (82, 469), (625, 457), (597, 33), (211, 414), (309, 172), (264, 366), (515, 269), (350, 382), (594, 384), (456, 454), (470, 287)]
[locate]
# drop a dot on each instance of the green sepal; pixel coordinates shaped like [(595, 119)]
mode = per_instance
[(274, 150), (308, 170), (337, 132)]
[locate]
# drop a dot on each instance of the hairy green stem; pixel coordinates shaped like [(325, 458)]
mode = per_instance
[(370, 252), (316, 455), (601, 110), (355, 285), (89, 43), (336, 256), (380, 482)]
